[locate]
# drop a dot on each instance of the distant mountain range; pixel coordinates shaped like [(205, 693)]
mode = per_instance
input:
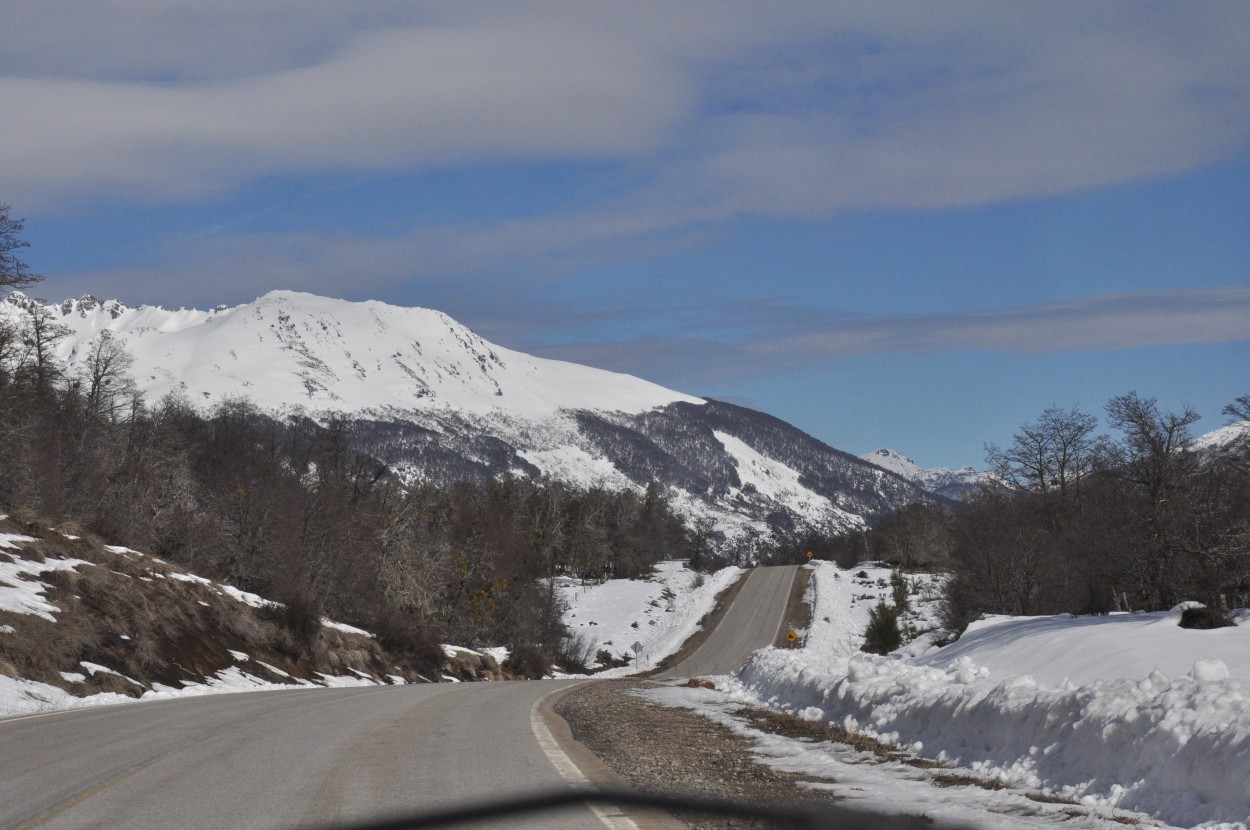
[(439, 403), (953, 484)]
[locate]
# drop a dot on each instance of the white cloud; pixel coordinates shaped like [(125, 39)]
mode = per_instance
[(800, 109), (397, 99)]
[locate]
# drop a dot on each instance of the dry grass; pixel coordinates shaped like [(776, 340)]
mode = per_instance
[(1077, 812), (959, 779), (779, 723)]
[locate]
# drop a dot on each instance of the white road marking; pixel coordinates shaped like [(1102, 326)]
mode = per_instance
[(611, 817)]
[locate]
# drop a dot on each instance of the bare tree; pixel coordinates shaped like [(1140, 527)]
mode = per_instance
[(1155, 449), (1239, 412), (1164, 480), (1239, 409), (14, 273), (914, 536), (105, 376), (1049, 456), (11, 349), (40, 337)]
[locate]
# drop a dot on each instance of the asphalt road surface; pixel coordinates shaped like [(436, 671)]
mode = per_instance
[(752, 622), (293, 759), (313, 758)]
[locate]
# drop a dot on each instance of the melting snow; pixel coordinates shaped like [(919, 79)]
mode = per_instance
[(21, 592)]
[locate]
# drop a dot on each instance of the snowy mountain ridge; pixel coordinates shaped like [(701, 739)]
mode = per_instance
[(289, 351), (439, 403), (955, 484), (1223, 438)]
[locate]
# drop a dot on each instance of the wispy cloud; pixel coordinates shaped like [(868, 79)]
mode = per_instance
[(779, 338)]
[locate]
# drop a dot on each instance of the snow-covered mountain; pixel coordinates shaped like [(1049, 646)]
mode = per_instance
[(1223, 439), (290, 352), (440, 403), (953, 484)]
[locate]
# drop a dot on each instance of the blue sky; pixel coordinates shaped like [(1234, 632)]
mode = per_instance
[(910, 225)]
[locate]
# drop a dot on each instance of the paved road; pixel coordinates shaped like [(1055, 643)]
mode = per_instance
[(308, 758), (278, 759), (752, 622)]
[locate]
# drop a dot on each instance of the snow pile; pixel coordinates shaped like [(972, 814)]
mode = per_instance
[(660, 613), (1082, 650), (1127, 711)]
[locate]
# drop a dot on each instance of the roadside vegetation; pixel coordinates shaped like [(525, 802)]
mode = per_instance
[(1073, 521)]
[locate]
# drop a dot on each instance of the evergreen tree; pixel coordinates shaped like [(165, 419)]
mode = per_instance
[(882, 635)]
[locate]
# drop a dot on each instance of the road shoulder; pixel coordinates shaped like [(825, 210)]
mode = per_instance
[(661, 749)]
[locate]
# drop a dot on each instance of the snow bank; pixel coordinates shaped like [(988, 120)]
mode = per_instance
[(1087, 649), (1059, 704)]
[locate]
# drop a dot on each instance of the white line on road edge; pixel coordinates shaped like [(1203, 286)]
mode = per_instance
[(611, 817)]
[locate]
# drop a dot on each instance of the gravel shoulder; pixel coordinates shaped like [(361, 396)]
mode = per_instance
[(660, 749)]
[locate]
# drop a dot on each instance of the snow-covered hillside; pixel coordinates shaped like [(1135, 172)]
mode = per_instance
[(658, 614), (1223, 438), (86, 625), (954, 484), (439, 403)]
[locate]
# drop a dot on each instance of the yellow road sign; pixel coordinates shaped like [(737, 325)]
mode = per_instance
[(792, 635)]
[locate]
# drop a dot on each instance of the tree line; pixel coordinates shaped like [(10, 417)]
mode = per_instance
[(1071, 520)]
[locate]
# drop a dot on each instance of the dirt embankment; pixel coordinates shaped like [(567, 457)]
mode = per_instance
[(124, 622)]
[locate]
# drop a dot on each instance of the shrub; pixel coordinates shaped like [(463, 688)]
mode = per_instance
[(527, 661), (882, 635), (605, 660), (576, 651), (960, 605), (416, 644), (299, 613), (1205, 618), (899, 590)]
